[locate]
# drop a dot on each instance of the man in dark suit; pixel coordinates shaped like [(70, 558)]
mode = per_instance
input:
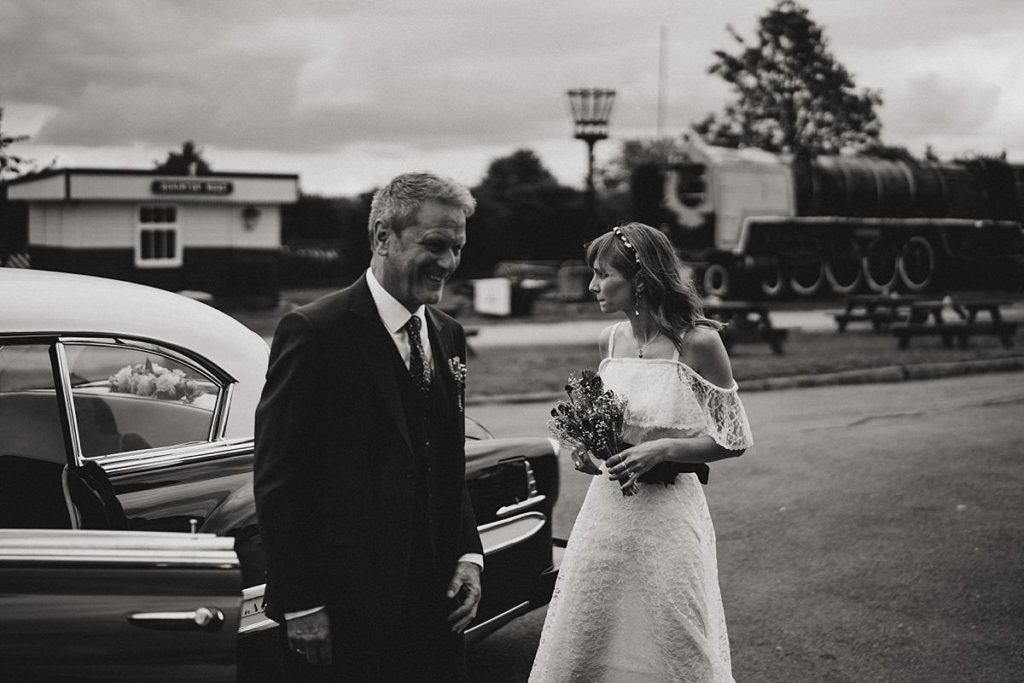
[(373, 556)]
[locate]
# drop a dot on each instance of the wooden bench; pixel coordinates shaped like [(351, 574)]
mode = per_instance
[(948, 331), (965, 326), (773, 336), (880, 310), (745, 321), (879, 319)]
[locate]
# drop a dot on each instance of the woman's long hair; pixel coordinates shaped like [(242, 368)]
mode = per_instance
[(661, 280)]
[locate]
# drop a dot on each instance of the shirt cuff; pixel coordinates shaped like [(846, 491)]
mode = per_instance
[(302, 613), (475, 558)]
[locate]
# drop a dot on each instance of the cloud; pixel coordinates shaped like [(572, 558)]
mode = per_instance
[(944, 105), (315, 84)]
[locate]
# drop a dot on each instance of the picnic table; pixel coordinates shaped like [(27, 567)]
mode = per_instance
[(879, 309), (963, 326), (744, 320)]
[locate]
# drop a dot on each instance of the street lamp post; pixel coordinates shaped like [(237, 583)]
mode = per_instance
[(591, 109)]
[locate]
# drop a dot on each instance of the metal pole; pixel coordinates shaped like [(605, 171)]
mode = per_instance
[(591, 190), (662, 69)]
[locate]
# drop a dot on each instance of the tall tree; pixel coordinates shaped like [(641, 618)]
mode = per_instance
[(11, 165), (617, 172), (189, 161), (522, 168), (523, 213), (792, 95)]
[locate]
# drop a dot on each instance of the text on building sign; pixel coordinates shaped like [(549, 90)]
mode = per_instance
[(192, 187)]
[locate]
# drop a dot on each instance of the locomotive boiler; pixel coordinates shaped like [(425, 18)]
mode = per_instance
[(752, 221)]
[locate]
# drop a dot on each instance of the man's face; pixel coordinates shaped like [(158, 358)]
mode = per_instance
[(415, 263)]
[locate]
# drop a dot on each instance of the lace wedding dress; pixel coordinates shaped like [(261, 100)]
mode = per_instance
[(637, 596)]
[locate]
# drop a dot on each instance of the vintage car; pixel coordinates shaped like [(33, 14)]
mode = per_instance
[(129, 548)]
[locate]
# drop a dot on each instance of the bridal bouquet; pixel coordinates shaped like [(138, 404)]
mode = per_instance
[(590, 422)]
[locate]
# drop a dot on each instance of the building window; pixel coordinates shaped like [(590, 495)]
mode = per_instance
[(157, 243)]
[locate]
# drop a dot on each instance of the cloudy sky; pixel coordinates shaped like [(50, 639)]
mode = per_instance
[(347, 93)]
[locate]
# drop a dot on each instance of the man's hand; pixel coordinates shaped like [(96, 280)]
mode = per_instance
[(465, 589), (310, 636)]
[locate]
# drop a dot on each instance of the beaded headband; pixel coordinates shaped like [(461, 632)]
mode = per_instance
[(629, 245)]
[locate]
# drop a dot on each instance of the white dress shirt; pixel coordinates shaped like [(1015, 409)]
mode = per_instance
[(394, 316)]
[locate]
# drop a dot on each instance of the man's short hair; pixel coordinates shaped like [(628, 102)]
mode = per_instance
[(397, 203)]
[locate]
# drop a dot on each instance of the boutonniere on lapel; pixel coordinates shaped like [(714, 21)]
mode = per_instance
[(458, 369)]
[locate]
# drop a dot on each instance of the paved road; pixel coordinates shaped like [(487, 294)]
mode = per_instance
[(873, 533)]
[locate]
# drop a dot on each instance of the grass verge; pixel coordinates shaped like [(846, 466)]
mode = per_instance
[(543, 369)]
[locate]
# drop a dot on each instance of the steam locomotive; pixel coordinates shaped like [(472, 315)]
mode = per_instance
[(755, 222)]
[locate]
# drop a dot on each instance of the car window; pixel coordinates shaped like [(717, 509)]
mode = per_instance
[(32, 451), (128, 398)]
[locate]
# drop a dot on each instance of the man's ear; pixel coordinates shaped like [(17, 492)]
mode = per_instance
[(380, 238)]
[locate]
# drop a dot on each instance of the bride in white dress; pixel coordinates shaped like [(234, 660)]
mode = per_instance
[(637, 597)]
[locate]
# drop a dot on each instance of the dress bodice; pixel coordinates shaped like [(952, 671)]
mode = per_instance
[(666, 397)]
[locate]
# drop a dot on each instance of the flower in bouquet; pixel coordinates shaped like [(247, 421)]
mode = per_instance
[(591, 419), (153, 380)]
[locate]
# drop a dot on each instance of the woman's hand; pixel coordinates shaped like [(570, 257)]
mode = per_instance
[(627, 466)]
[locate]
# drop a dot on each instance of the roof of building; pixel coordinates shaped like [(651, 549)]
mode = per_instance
[(51, 172)]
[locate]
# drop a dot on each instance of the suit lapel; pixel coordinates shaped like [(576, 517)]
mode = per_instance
[(441, 344), (378, 349)]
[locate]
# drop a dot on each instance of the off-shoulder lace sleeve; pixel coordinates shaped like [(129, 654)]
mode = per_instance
[(724, 417)]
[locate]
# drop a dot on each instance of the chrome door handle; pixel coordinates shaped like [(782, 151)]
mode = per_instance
[(202, 619), (506, 510)]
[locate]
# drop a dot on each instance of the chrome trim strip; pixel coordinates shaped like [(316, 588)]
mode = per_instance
[(200, 365), (522, 505), (256, 591), (219, 424), (63, 391), (538, 519), (167, 349), (175, 455), (253, 618), (164, 549), (264, 624), (485, 628)]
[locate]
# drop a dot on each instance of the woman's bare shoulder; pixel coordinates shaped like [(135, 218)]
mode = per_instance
[(706, 354)]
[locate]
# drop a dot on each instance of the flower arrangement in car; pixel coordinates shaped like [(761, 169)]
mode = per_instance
[(153, 380)]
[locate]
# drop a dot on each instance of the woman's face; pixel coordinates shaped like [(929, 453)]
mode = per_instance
[(613, 290)]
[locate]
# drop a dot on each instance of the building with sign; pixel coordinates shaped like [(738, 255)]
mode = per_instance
[(218, 233)]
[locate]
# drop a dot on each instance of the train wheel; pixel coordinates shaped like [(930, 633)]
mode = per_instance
[(881, 270), (917, 263), (717, 280), (806, 279), (773, 283), (843, 270)]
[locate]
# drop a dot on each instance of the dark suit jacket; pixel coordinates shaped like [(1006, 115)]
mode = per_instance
[(334, 468)]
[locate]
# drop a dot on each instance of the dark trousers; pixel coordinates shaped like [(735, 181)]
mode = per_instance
[(422, 649)]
